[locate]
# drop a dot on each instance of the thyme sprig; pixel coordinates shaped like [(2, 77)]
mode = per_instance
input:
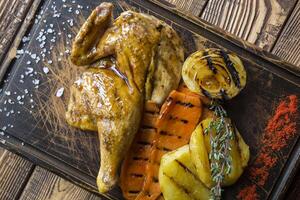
[(221, 132)]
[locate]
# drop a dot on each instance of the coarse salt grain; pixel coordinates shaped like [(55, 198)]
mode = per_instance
[(29, 70), (46, 70), (10, 101), (35, 81), (50, 30), (25, 39), (33, 56), (60, 92)]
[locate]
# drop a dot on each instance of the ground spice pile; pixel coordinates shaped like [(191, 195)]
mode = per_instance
[(281, 127)]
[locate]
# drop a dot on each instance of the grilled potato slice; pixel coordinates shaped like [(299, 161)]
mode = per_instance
[(178, 177), (200, 149), (214, 74)]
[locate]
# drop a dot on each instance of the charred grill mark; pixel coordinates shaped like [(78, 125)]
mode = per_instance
[(173, 118), (231, 69), (133, 191), (147, 127), (169, 134), (144, 143), (155, 179), (187, 170), (202, 127), (151, 112), (163, 149), (189, 105), (140, 158), (206, 93), (224, 94), (176, 118), (137, 175), (184, 121), (165, 133), (209, 62), (182, 188)]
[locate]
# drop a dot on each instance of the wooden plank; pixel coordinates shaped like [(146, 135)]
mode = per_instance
[(14, 170), (10, 47), (1, 151), (14, 173), (46, 185), (12, 15), (288, 44), (194, 7), (258, 22)]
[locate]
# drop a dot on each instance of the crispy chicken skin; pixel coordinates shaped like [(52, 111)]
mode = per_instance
[(132, 59)]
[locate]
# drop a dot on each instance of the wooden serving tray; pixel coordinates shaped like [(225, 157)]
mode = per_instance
[(36, 128)]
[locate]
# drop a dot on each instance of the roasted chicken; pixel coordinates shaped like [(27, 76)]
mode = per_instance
[(130, 60)]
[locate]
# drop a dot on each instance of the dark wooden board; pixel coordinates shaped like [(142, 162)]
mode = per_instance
[(41, 134)]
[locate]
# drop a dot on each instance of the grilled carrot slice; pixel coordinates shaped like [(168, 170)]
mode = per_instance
[(159, 134), (205, 100), (134, 166)]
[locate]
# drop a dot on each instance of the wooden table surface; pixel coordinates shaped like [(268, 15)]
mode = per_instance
[(273, 25)]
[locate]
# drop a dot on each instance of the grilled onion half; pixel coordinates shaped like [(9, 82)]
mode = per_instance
[(214, 73)]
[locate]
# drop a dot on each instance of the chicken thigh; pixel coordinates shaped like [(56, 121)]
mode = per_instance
[(130, 60)]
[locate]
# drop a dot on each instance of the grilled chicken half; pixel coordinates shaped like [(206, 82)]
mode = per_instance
[(130, 60)]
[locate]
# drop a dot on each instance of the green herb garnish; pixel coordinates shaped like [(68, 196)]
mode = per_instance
[(221, 132)]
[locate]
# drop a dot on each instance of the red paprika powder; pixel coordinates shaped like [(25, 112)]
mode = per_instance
[(281, 127)]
